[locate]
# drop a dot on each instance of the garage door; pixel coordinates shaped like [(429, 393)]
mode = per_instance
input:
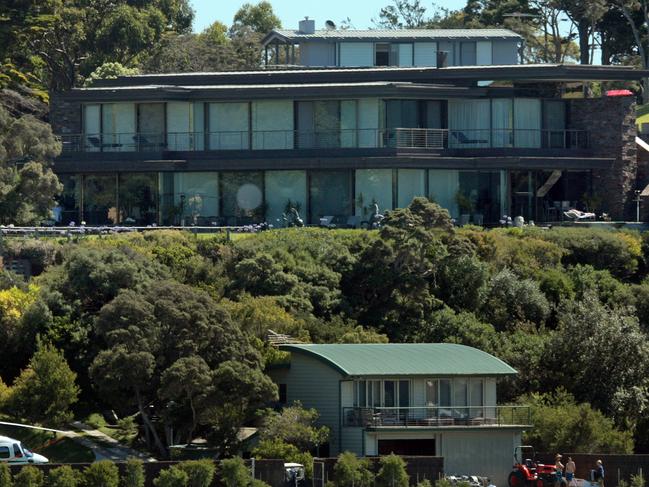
[(422, 447)]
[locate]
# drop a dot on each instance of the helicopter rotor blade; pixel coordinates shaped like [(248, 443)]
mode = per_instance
[(29, 426)]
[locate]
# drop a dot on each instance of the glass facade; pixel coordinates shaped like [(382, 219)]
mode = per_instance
[(344, 197)]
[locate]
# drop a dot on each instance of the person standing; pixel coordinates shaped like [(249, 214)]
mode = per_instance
[(599, 473), (570, 471), (559, 470)]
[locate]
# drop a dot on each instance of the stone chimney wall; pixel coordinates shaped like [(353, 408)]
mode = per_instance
[(610, 122), (65, 115)]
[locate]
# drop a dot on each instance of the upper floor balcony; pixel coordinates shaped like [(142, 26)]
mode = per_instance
[(433, 417), (403, 139)]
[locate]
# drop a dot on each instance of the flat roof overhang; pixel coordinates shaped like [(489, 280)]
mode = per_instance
[(453, 74)]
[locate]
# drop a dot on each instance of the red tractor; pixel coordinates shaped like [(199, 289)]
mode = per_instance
[(528, 473)]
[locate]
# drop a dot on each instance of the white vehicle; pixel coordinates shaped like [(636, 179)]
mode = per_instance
[(13, 452)]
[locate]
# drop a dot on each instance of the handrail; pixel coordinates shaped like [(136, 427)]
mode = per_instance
[(403, 138), (434, 416)]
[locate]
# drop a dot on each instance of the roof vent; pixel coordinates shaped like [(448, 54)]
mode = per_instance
[(307, 26), (330, 25)]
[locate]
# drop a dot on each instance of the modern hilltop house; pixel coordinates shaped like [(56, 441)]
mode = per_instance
[(411, 399), (339, 120)]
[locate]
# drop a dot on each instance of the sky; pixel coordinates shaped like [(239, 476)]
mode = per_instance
[(291, 12)]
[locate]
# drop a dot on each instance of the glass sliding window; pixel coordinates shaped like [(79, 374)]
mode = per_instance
[(373, 186), (469, 123), (445, 398), (272, 124), (527, 122), (376, 393), (502, 122), (284, 190), (150, 126), (401, 114), (477, 401), (554, 124), (404, 393), (443, 187), (181, 131), (327, 123), (361, 400), (382, 55), (69, 200), (460, 398), (118, 127), (468, 54), (330, 195), (229, 126), (242, 196), (405, 57), (410, 184), (389, 393), (196, 198), (100, 199), (138, 198), (480, 196), (432, 392), (91, 128), (348, 123), (306, 125)]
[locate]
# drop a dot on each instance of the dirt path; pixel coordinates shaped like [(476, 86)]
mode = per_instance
[(103, 446)]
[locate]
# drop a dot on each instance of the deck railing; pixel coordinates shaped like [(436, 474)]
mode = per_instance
[(404, 138), (425, 416)]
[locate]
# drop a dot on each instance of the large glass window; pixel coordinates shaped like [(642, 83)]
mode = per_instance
[(330, 195), (468, 54), (326, 123), (460, 397), (432, 393), (527, 122), (150, 126), (242, 197), (502, 122), (67, 209), (445, 393), (284, 190), (443, 187), (138, 198), (195, 198), (92, 127), (229, 126), (554, 123), (118, 127), (468, 122), (480, 197), (272, 124), (373, 186), (477, 401), (410, 184), (185, 126), (100, 199), (389, 393)]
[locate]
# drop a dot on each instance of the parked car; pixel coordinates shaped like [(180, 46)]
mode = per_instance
[(12, 451)]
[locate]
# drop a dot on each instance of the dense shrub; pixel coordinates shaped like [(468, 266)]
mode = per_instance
[(199, 472), (258, 483), (351, 471), (65, 476), (29, 477), (5, 475), (234, 472), (425, 483), (393, 472), (133, 473), (101, 474), (608, 289), (172, 477)]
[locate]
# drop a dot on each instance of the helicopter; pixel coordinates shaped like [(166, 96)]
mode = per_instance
[(13, 452)]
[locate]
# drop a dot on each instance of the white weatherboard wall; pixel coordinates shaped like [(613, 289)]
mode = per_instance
[(272, 124), (368, 122), (356, 54), (483, 53), (426, 54)]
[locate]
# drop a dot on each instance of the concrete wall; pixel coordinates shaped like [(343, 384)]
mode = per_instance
[(610, 122), (487, 452)]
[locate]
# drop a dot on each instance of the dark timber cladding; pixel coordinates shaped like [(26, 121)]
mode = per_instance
[(527, 72)]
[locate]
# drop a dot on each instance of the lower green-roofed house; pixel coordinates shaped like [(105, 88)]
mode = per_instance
[(434, 399)]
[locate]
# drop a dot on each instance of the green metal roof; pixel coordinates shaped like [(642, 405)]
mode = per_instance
[(400, 359)]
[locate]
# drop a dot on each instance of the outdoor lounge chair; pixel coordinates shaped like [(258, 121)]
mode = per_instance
[(577, 215), (463, 139), (97, 143)]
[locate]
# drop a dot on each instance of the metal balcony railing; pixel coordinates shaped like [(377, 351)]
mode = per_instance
[(403, 138), (423, 416)]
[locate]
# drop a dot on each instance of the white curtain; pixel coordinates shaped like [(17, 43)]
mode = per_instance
[(228, 124), (118, 126), (527, 122), (468, 122), (180, 125), (502, 114)]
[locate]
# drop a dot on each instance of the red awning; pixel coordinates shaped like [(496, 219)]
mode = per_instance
[(619, 93)]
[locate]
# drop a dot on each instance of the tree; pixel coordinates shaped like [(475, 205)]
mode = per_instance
[(351, 471), (29, 477), (171, 477), (5, 475), (46, 389), (629, 8), (585, 14), (560, 424), (200, 473), (234, 472), (134, 473), (296, 426), (65, 476), (27, 184), (392, 472), (408, 14), (260, 17), (110, 70)]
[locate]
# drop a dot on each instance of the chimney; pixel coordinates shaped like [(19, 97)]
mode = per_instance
[(307, 26)]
